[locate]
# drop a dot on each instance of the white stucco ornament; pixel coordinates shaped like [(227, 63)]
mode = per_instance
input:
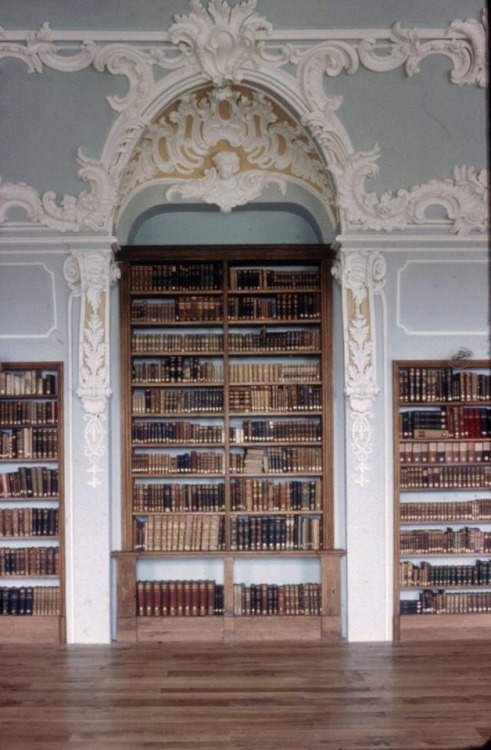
[(219, 40), (361, 275), (224, 184), (464, 199), (90, 275), (226, 43)]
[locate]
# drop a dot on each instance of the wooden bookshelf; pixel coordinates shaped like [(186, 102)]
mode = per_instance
[(31, 503), (227, 442), (442, 491)]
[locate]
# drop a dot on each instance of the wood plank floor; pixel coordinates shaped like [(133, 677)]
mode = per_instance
[(246, 697)]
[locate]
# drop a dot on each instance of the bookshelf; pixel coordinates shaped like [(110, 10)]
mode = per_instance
[(226, 382), (442, 490), (31, 503)]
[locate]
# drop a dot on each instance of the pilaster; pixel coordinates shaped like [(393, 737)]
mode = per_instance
[(361, 275), (90, 274)]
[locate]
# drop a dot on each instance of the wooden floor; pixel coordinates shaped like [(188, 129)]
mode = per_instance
[(247, 697)]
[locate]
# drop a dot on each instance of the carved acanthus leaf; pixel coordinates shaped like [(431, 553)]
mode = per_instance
[(464, 199), (88, 210), (218, 41), (18, 195), (408, 47)]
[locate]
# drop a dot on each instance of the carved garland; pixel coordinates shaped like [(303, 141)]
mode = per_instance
[(90, 274), (361, 276)]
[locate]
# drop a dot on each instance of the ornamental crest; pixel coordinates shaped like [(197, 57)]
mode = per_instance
[(219, 40)]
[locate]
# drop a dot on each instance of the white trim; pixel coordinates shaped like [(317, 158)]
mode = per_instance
[(54, 326), (408, 332), (163, 37)]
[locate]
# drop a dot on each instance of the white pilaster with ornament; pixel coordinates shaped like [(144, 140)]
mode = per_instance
[(361, 275), (90, 274)]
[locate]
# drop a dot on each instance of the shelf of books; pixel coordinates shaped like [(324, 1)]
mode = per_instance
[(226, 368), (31, 503), (442, 450)]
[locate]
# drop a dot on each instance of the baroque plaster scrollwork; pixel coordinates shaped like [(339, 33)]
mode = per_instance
[(226, 44), (220, 40), (90, 275), (224, 146), (225, 186), (464, 199), (361, 275)]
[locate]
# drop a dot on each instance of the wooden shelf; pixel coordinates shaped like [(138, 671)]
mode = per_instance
[(48, 590), (284, 397), (434, 401)]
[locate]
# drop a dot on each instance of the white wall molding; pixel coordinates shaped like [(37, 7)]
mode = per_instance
[(90, 274), (222, 45), (361, 274), (203, 36), (464, 199)]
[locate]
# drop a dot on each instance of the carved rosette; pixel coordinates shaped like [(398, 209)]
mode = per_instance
[(90, 275), (361, 275)]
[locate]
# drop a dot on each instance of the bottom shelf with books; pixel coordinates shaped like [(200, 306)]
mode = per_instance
[(31, 614), (226, 605)]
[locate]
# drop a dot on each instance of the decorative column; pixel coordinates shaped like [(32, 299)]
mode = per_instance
[(361, 274), (90, 274)]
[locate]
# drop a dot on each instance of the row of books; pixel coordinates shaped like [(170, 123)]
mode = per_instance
[(275, 398), (457, 510), (193, 462), (190, 598), (266, 376), (162, 402), (186, 276), (177, 370), (263, 599), (195, 309), (254, 431), (447, 603), (29, 442), (274, 372), (266, 278), (25, 522), (266, 495), (29, 481), (274, 341), (445, 541), (176, 432), (28, 413), (27, 383), (275, 532), (154, 343), (427, 384), (174, 497), (179, 533), (425, 574), (276, 460), (25, 561), (41, 601), (446, 422), (281, 306), (445, 477), (446, 452)]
